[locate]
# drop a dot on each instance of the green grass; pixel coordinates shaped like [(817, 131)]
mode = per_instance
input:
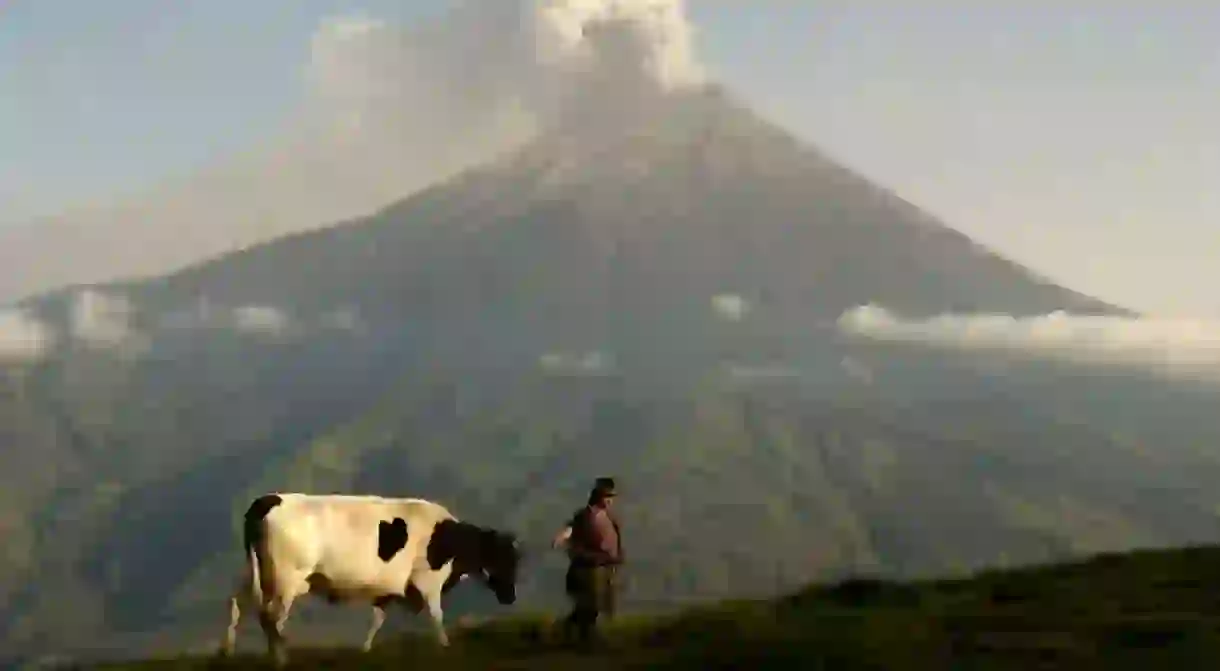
[(1129, 611)]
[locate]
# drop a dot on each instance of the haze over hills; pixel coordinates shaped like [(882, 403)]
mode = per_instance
[(669, 291)]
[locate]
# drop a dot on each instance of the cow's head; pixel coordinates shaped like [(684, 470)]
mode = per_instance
[(490, 555), (501, 555)]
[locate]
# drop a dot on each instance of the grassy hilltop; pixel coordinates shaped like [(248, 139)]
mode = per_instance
[(1117, 611)]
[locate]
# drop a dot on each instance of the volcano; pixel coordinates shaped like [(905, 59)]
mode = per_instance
[(621, 234), (692, 197)]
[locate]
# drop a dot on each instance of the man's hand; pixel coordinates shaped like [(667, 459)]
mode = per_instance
[(561, 538)]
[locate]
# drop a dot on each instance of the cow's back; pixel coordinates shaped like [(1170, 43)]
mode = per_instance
[(337, 540)]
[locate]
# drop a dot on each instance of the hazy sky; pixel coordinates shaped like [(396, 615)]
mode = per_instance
[(1077, 137)]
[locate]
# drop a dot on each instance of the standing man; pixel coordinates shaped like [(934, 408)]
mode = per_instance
[(595, 550)]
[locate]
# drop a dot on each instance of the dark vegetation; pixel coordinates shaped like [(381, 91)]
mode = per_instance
[(1133, 611), (728, 492)]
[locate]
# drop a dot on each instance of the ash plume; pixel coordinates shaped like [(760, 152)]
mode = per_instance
[(389, 109)]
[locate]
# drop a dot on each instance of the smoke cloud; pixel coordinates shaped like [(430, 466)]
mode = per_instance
[(23, 338), (624, 38), (488, 76), (389, 109), (1182, 347)]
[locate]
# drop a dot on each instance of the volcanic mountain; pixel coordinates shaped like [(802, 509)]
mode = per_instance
[(651, 294), (621, 236), (689, 197)]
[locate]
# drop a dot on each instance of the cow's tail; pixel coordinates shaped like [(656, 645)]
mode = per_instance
[(254, 532), (256, 583)]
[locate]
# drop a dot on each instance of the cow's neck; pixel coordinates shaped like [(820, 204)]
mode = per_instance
[(455, 577)]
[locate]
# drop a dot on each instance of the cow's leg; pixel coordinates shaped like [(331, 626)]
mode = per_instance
[(424, 591), (379, 607), (433, 598), (273, 616), (271, 619)]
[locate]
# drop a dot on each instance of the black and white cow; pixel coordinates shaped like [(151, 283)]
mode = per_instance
[(367, 548)]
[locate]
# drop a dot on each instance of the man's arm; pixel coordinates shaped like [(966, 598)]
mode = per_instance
[(618, 533), (564, 536)]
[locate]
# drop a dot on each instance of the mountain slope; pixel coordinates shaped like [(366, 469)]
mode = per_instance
[(1115, 612), (654, 299)]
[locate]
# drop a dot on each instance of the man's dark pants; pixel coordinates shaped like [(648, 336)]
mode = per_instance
[(593, 590)]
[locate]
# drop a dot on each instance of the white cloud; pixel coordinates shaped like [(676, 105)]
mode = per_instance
[(744, 372), (257, 320), (730, 306), (261, 320), (343, 319), (1181, 346), (99, 319), (23, 338), (576, 364)]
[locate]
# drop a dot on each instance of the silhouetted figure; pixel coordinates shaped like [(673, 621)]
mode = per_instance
[(595, 550)]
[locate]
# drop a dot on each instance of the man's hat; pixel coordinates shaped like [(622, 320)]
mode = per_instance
[(604, 486)]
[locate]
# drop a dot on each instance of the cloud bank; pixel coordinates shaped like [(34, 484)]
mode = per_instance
[(1183, 347), (23, 338), (108, 321)]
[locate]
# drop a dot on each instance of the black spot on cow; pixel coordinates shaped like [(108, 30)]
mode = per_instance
[(252, 530), (453, 540), (391, 537)]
